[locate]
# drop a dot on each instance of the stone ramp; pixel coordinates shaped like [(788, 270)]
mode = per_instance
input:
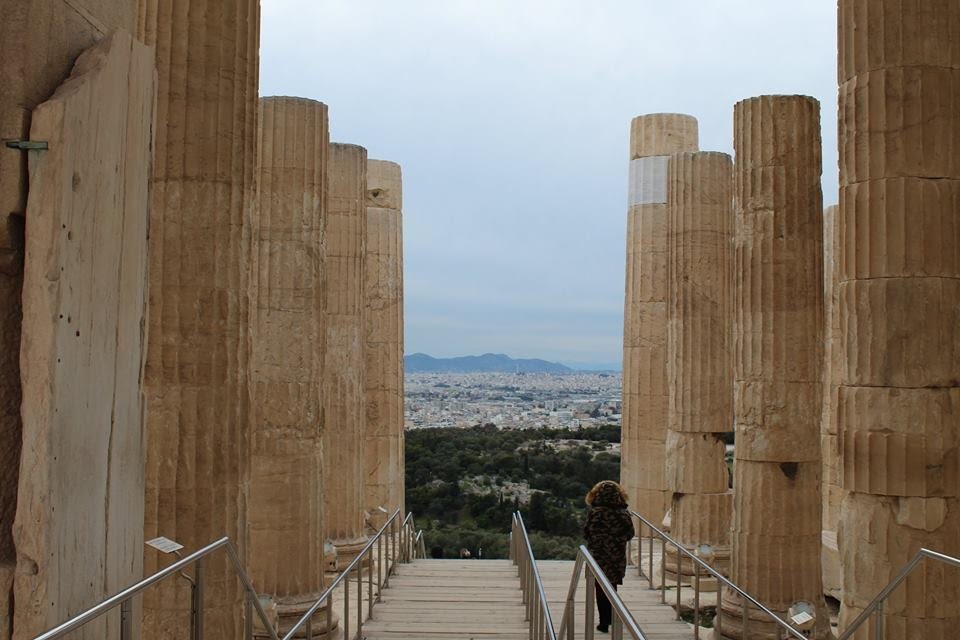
[(447, 599)]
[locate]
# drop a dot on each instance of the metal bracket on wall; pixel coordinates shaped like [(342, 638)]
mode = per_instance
[(27, 145)]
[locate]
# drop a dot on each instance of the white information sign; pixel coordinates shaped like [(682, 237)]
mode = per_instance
[(801, 618), (164, 545)]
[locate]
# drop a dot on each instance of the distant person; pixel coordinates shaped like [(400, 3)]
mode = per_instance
[(607, 531)]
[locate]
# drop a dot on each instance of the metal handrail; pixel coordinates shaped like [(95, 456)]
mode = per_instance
[(876, 605), (397, 537), (124, 598), (698, 563), (534, 596), (621, 618)]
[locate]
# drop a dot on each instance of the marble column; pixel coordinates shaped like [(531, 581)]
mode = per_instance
[(383, 346), (286, 359), (778, 333), (699, 362), (653, 138), (898, 388), (196, 374), (344, 406)]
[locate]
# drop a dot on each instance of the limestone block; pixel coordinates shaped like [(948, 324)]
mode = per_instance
[(344, 406), (79, 524), (207, 60), (773, 420), (662, 134), (286, 362), (649, 464), (900, 122), (833, 255), (793, 486), (39, 42), (879, 34), (695, 463), (900, 227), (889, 532), (900, 442), (703, 518), (832, 464), (700, 369), (383, 347), (653, 138), (900, 332)]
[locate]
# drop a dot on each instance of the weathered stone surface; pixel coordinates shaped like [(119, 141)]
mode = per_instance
[(700, 227), (901, 442), (912, 339), (699, 365), (286, 362), (196, 376), (344, 407), (39, 42), (901, 227), (695, 463), (645, 388), (899, 307), (383, 346), (79, 524), (779, 290)]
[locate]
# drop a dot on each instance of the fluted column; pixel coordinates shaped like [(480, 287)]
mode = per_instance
[(286, 362), (383, 346), (898, 406), (653, 138), (699, 364), (196, 376), (778, 359), (344, 408), (831, 484)]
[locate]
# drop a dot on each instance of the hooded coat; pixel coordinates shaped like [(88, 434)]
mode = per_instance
[(607, 531)]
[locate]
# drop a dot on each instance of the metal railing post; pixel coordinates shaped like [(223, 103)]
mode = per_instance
[(346, 608), (590, 605), (878, 625), (650, 577), (247, 617), (359, 599), (679, 556), (196, 600), (696, 601), (370, 586), (663, 572), (379, 568), (126, 619)]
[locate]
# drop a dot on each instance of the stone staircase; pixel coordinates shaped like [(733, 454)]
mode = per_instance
[(447, 599), (481, 599)]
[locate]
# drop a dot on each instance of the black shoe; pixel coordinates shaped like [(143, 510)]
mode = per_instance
[(603, 629)]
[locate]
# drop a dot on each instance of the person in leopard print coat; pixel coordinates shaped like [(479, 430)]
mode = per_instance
[(607, 531)]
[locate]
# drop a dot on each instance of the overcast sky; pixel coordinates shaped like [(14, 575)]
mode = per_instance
[(511, 121)]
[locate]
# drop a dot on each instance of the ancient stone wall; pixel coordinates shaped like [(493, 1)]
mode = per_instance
[(699, 362), (79, 524), (39, 42), (286, 360), (196, 373), (344, 407), (778, 359), (898, 385), (383, 347), (653, 138)]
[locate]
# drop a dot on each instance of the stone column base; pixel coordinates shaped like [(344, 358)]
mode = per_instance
[(720, 562), (287, 612), (344, 551)]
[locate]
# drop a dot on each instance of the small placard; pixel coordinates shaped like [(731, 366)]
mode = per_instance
[(801, 618), (164, 545)]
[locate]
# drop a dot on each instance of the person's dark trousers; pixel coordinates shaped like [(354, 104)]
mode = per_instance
[(603, 607)]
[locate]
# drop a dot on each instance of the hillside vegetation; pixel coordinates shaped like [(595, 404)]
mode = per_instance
[(463, 484)]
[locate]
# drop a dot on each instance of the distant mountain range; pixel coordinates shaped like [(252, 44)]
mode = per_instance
[(487, 363)]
